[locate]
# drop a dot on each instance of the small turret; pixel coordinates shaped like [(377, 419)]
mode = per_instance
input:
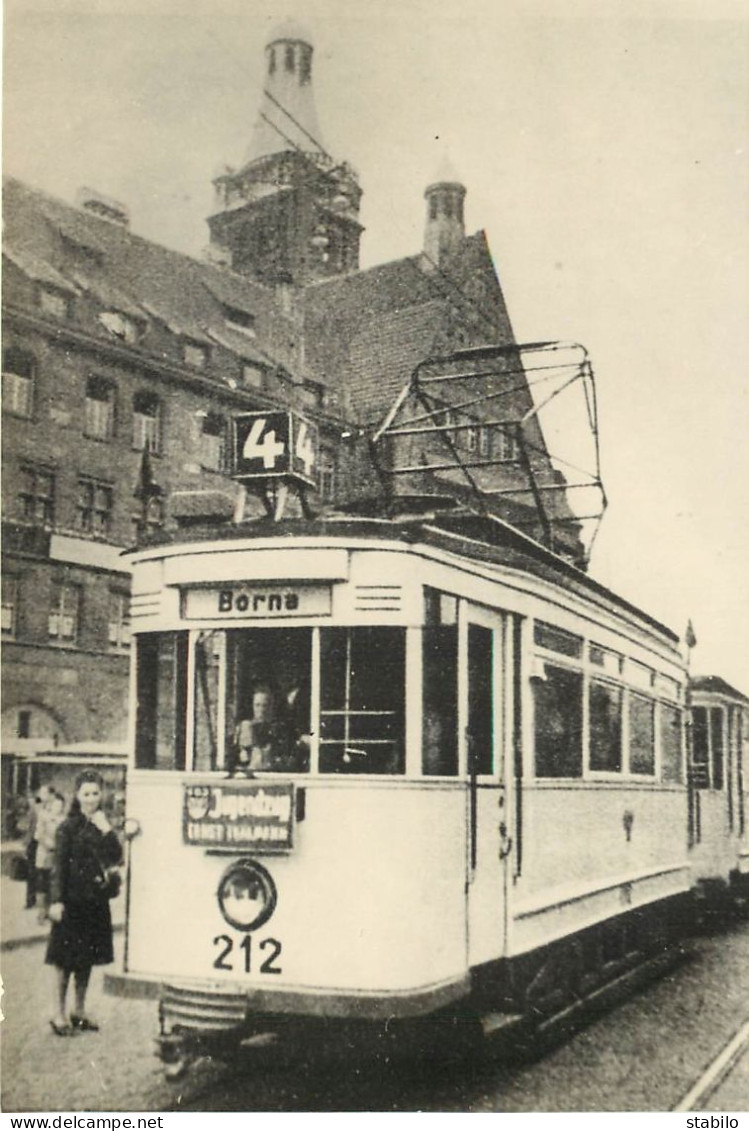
[(445, 226)]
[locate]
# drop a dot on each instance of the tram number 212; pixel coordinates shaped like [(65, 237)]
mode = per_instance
[(270, 444), (246, 960)]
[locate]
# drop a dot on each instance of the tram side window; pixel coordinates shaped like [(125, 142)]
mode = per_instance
[(440, 685), (161, 682), (670, 743), (716, 735), (641, 735), (558, 712), (605, 711), (362, 708), (480, 699), (700, 749)]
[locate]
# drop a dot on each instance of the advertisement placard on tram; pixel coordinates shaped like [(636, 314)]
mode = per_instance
[(242, 817)]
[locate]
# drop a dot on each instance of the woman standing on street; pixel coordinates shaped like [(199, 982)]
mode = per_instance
[(81, 937)]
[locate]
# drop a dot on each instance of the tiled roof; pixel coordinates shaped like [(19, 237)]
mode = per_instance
[(361, 333), (50, 241), (385, 352), (367, 331)]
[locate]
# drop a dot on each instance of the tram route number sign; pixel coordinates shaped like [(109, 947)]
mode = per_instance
[(273, 445), (237, 818)]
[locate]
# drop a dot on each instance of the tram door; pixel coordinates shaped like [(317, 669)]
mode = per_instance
[(485, 711)]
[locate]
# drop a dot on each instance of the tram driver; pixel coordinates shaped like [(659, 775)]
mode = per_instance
[(269, 740)]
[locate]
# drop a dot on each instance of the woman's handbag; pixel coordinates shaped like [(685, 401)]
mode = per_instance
[(109, 881)]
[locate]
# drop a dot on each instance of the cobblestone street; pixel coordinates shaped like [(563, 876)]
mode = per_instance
[(112, 1070)]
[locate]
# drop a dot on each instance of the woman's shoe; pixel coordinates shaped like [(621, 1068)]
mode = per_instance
[(61, 1030), (83, 1024)]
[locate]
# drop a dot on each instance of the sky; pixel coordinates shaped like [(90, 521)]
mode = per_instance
[(604, 149)]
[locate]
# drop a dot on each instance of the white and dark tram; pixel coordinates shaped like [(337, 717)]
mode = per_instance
[(465, 787), (393, 768)]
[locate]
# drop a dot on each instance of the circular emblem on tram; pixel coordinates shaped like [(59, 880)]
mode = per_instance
[(246, 895)]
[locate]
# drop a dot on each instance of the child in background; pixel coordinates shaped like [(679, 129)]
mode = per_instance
[(50, 819)]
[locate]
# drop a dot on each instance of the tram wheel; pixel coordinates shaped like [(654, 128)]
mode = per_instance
[(176, 1070)]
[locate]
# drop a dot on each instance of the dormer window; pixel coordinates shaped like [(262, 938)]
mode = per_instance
[(312, 394), (53, 302), (289, 58), (120, 326), (240, 320), (253, 376), (272, 61), (195, 354)]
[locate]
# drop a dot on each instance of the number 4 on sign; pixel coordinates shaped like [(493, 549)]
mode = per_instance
[(304, 448), (268, 449)]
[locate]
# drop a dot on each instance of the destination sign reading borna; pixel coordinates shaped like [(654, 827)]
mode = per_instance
[(258, 603)]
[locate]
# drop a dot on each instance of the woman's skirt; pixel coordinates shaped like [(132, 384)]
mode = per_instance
[(83, 938)]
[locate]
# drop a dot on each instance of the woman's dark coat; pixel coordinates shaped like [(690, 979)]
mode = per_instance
[(82, 854)]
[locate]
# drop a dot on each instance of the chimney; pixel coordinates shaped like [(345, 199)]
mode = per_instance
[(103, 206)]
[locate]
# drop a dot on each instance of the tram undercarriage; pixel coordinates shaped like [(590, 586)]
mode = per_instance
[(514, 1008)]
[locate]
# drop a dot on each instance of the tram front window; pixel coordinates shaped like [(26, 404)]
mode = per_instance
[(253, 705), (362, 700), (269, 704)]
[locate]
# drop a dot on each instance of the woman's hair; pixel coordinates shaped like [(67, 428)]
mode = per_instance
[(84, 777), (89, 776)]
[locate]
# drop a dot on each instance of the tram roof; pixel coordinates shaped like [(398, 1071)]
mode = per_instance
[(477, 537), (714, 685)]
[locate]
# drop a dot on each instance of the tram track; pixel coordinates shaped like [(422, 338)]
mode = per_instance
[(716, 1072)]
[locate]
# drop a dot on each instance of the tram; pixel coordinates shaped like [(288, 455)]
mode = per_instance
[(719, 836), (396, 766)]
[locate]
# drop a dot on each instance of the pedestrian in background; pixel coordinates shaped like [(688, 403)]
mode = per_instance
[(50, 819), (86, 849), (32, 844)]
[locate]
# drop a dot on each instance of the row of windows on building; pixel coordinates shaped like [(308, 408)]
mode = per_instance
[(486, 441), (64, 621), (100, 422), (95, 502), (100, 414), (100, 410), (94, 506)]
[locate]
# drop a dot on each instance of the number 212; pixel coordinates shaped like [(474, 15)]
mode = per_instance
[(227, 944)]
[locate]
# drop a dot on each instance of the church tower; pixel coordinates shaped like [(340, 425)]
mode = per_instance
[(445, 226), (290, 213)]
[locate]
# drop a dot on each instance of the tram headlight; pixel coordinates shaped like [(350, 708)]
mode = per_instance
[(246, 895), (131, 827)]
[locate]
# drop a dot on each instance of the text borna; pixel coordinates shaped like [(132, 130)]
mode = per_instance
[(230, 601)]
